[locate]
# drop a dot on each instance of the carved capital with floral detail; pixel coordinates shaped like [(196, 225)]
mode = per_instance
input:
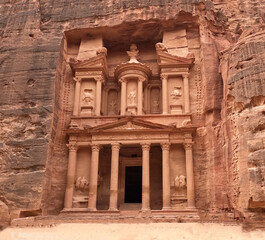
[(122, 80), (72, 146), (95, 147), (164, 76), (77, 79), (115, 146), (141, 79), (165, 146), (99, 78), (185, 75), (188, 146), (146, 146)]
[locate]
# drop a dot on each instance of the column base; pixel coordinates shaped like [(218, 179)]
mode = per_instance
[(191, 207), (113, 209), (92, 209), (145, 209), (166, 208)]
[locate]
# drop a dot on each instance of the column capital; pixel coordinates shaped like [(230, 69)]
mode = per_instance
[(145, 146), (187, 146), (165, 146), (185, 75), (122, 80), (95, 147), (99, 78), (115, 146), (72, 146), (77, 79), (164, 76), (141, 79)]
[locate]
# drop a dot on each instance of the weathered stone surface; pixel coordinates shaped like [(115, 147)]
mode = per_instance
[(4, 215), (36, 94)]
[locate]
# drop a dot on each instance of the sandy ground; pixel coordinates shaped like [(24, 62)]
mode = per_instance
[(120, 231)]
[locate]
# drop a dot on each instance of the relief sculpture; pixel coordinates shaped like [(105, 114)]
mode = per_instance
[(180, 185), (81, 183), (176, 94), (132, 97), (88, 97)]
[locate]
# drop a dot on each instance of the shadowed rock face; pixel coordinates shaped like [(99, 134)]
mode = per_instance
[(36, 106)]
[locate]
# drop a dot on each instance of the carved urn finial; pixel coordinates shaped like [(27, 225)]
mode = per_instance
[(133, 53)]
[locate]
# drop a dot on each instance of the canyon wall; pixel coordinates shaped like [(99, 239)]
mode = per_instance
[(37, 91)]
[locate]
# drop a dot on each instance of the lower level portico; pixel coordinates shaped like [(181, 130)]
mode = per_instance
[(130, 165)]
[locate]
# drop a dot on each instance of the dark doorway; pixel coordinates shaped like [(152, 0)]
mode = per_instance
[(133, 184)]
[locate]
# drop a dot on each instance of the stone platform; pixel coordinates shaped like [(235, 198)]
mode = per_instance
[(126, 216)]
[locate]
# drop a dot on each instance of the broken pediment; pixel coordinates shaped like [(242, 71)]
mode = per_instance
[(168, 60), (96, 63), (129, 124)]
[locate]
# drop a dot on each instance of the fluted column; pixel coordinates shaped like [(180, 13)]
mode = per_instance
[(166, 175), (164, 78), (68, 201), (123, 95), (77, 95), (190, 175), (113, 205), (99, 81), (146, 177), (186, 93), (140, 96), (93, 183)]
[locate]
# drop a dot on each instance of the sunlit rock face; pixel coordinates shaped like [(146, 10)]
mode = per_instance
[(226, 94)]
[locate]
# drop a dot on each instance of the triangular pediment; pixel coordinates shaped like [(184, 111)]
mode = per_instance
[(98, 62), (167, 59), (129, 124)]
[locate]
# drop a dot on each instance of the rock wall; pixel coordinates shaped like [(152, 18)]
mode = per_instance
[(36, 96)]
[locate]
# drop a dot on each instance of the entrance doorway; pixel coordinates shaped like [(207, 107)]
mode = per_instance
[(133, 184)]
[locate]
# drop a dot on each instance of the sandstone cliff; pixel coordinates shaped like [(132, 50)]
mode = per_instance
[(36, 104)]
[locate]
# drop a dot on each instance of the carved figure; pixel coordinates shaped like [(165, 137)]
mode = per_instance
[(180, 184), (155, 105), (112, 107), (102, 50), (132, 97), (88, 97), (82, 183), (133, 53), (161, 47), (176, 94)]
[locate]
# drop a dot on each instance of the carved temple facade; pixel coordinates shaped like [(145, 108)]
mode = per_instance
[(131, 133)]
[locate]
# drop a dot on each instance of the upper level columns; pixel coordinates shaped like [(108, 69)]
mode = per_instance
[(164, 78), (140, 96), (99, 81), (186, 93), (190, 175), (70, 175), (123, 95), (77, 95), (93, 183), (146, 177), (166, 175)]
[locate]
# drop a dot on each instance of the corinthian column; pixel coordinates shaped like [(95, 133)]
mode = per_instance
[(93, 184), (123, 95), (140, 96), (164, 78), (190, 175), (166, 175), (77, 95), (113, 205), (186, 93), (99, 81), (146, 177), (70, 175)]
